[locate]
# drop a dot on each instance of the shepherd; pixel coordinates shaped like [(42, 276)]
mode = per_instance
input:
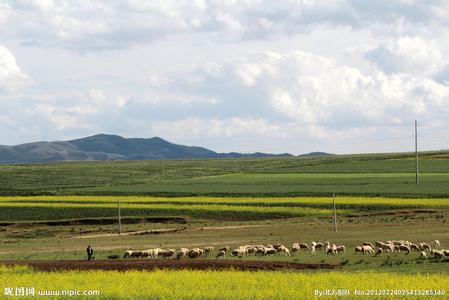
[(90, 252)]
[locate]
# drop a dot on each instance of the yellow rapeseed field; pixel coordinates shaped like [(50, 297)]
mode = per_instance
[(230, 284)]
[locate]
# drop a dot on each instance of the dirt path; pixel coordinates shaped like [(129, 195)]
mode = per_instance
[(152, 264), (140, 232)]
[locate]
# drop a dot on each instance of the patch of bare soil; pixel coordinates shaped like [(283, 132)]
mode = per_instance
[(152, 264)]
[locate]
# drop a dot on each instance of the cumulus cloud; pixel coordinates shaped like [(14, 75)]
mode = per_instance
[(413, 55), (11, 76), (227, 127), (199, 71), (87, 25), (305, 88)]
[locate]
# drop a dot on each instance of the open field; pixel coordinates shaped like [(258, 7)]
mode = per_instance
[(52, 212), (243, 208), (230, 284), (370, 174), (361, 219)]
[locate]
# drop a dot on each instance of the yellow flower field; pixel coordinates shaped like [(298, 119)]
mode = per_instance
[(230, 284)]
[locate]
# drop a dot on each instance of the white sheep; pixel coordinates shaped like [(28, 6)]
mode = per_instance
[(425, 246), (378, 252), (437, 254), (423, 255), (284, 250), (221, 253), (368, 244), (404, 248), (182, 253), (436, 243), (367, 249), (295, 247)]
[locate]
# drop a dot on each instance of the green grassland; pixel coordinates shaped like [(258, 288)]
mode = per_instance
[(371, 175), (52, 211)]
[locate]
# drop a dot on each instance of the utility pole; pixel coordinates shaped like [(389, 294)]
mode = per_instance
[(119, 219), (335, 213), (416, 151)]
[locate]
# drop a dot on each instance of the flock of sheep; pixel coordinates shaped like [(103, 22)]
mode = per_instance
[(402, 246), (271, 249)]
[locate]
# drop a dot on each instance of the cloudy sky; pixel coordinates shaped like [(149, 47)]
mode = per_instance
[(341, 76)]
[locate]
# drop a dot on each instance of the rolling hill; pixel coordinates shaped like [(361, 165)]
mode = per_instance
[(110, 147)]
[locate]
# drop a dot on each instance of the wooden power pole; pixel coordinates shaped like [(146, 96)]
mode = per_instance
[(335, 212), (119, 219), (416, 151)]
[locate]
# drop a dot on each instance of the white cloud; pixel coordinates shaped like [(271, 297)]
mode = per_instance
[(88, 25), (412, 55), (11, 76), (230, 127)]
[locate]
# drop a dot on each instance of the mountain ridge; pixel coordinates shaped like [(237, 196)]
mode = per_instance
[(111, 147)]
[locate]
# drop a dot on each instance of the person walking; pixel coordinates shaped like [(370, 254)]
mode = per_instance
[(90, 252)]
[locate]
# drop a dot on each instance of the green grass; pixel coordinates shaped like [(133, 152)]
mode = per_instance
[(373, 174), (281, 185)]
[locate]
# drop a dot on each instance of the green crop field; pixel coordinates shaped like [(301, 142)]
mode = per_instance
[(76, 207), (372, 175)]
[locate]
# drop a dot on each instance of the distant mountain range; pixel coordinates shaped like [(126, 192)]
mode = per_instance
[(113, 147)]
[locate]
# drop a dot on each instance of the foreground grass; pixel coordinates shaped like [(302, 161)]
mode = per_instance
[(185, 284)]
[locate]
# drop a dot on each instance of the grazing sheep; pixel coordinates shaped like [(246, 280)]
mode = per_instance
[(136, 254), (331, 249), (182, 253), (378, 252), (276, 246), (404, 248), (240, 253), (423, 255), (437, 254), (312, 250), (269, 251), (436, 243), (167, 253), (284, 250), (260, 251), (225, 249), (414, 247), (445, 252), (295, 247), (425, 246), (379, 244), (193, 253), (387, 247), (304, 246), (367, 249), (209, 249), (318, 245), (221, 253), (127, 253), (341, 248), (368, 244), (251, 250), (358, 249)]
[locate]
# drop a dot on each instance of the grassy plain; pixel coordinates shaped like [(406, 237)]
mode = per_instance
[(371, 175)]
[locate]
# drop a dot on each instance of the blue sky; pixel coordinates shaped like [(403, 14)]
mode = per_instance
[(273, 76)]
